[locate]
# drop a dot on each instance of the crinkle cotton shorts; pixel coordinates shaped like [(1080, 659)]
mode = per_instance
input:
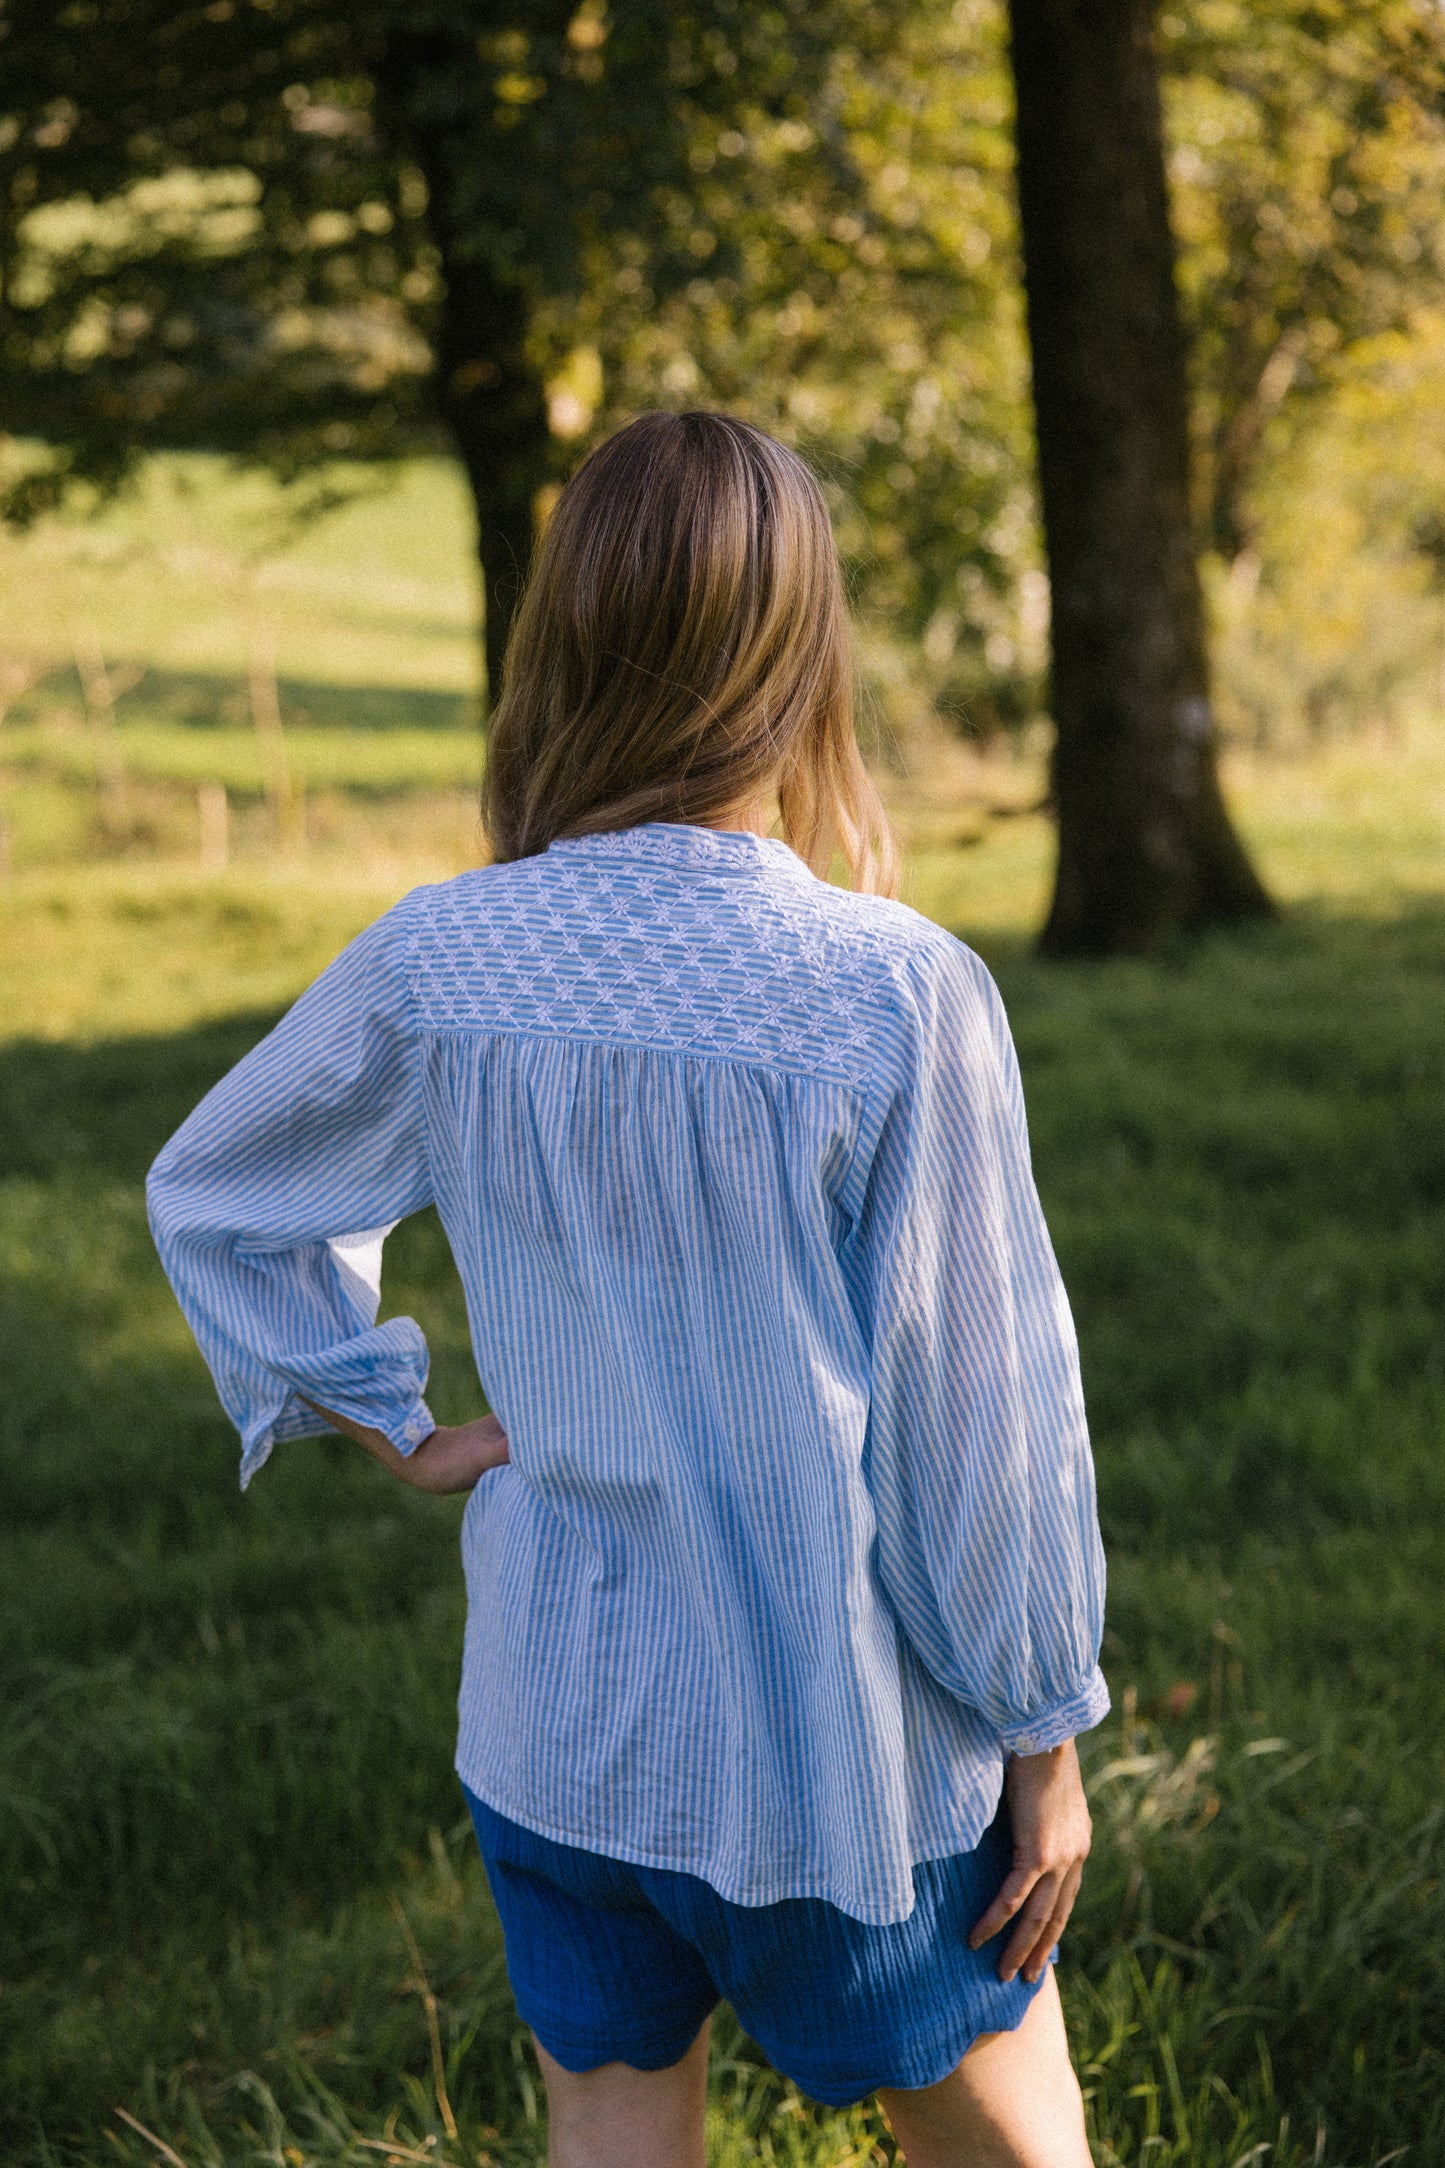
[(615, 1963)]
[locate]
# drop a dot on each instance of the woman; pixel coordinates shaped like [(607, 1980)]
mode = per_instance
[(783, 1570)]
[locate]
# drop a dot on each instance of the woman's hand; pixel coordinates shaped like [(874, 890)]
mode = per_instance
[(1051, 1832), (451, 1459)]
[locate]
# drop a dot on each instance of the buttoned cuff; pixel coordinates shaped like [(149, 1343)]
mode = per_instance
[(406, 1427), (375, 1378)]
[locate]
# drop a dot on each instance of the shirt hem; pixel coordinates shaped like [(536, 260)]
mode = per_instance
[(728, 1889)]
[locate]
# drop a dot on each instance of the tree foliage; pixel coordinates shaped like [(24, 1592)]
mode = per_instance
[(306, 232), (1308, 169), (856, 289), (299, 230)]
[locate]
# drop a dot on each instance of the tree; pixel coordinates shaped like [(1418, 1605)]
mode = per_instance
[(293, 229), (300, 232), (854, 288), (1308, 160), (1146, 849)]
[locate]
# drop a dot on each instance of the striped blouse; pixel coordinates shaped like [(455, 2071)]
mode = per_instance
[(798, 1535)]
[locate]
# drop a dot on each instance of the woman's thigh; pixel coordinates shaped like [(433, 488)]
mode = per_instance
[(618, 2117), (1013, 2102)]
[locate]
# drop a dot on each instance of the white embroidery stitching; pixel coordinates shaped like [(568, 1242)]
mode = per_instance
[(660, 937)]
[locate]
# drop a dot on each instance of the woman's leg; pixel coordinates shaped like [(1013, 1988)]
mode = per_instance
[(1013, 2102), (618, 2117)]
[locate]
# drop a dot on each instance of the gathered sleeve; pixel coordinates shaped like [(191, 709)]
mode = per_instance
[(977, 1456), (270, 1204)]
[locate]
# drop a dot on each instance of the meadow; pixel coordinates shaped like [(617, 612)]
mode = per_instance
[(242, 1920)]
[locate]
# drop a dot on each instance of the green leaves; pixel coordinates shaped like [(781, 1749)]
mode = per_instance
[(215, 231), (1309, 155)]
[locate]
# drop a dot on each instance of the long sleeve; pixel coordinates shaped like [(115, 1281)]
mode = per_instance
[(977, 1457), (270, 1203)]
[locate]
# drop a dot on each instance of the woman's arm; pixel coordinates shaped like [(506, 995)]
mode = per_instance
[(451, 1459), (977, 1457), (270, 1203)]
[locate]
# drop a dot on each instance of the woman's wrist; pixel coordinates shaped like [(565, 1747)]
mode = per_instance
[(451, 1457), (1047, 1757), (455, 1456), (373, 1441), (409, 1466)]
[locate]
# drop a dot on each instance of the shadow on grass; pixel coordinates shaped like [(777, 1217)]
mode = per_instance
[(105, 1109)]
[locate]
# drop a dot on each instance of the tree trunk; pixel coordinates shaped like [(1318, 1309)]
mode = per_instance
[(487, 390), (1146, 850), (496, 408)]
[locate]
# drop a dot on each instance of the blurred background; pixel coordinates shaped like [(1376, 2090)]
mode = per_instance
[(308, 311)]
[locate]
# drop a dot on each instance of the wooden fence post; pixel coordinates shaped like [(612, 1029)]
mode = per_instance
[(287, 805)]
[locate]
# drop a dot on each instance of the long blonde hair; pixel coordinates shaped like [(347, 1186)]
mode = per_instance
[(682, 648)]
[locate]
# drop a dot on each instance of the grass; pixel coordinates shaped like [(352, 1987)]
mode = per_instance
[(180, 577), (241, 1907), (130, 642), (229, 1722)]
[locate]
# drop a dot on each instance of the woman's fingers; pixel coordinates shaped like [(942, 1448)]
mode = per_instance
[(1041, 1899), (1032, 1924), (498, 1447), (1051, 1832), (455, 1457), (1011, 1896), (1035, 1963)]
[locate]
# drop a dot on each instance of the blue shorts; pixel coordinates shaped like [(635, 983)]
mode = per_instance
[(612, 1963)]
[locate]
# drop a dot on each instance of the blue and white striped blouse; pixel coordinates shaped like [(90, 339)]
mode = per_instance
[(798, 1534)]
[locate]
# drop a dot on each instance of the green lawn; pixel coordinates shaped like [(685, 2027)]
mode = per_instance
[(225, 1725), (183, 574), (229, 1720), (367, 616)]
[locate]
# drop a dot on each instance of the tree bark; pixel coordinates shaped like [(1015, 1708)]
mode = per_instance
[(496, 409), (487, 390), (1146, 849)]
